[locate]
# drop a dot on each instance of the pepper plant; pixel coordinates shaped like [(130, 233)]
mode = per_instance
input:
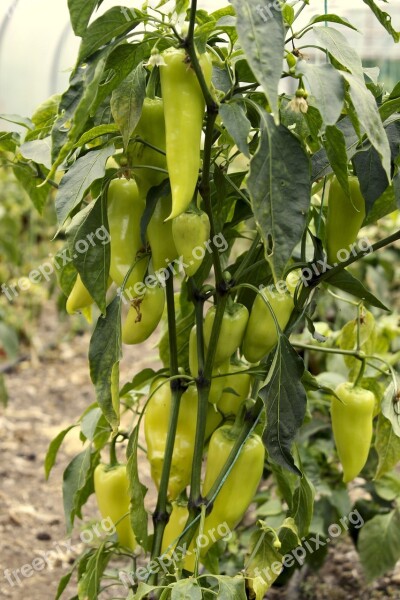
[(232, 175)]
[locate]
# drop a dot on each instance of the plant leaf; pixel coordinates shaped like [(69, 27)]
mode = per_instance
[(89, 230), (78, 179), (387, 445), (237, 124), (273, 188), (262, 37), (127, 101), (285, 400), (379, 544), (104, 353), (327, 87)]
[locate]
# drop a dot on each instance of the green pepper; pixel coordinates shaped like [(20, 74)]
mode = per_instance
[(156, 423), (151, 129), (172, 532), (233, 327), (352, 417), (240, 486), (218, 383), (79, 297), (191, 231), (261, 335), (184, 106), (144, 315), (159, 234), (237, 390), (112, 493), (125, 210), (344, 219)]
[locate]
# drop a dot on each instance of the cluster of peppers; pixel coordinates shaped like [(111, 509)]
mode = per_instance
[(167, 140)]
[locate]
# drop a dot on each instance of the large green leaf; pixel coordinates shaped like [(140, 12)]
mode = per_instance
[(77, 484), (335, 146), (75, 108), (285, 400), (127, 101), (379, 544), (237, 124), (78, 179), (137, 491), (371, 175), (337, 45), (320, 162), (369, 117), (279, 178), (104, 354), (326, 85), (89, 245), (53, 449), (114, 23), (262, 37), (30, 182), (80, 13), (387, 445), (384, 19), (348, 283)]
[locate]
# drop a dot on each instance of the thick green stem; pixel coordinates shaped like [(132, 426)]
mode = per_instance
[(113, 454), (160, 516)]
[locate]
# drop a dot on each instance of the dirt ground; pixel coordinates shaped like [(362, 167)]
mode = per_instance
[(48, 392)]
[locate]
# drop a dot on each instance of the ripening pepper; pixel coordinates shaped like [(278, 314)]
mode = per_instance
[(218, 383), (191, 231), (125, 210), (184, 106), (151, 129), (159, 234), (237, 390), (233, 327), (173, 530), (344, 219), (79, 297), (143, 316), (112, 493), (261, 335), (352, 417), (156, 423), (240, 486)]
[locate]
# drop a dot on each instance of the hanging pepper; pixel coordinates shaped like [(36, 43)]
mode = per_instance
[(184, 112), (125, 210), (144, 315), (79, 297), (151, 129), (232, 330), (261, 335), (159, 234), (240, 486), (344, 219), (112, 493), (236, 392), (352, 417), (191, 231), (173, 530)]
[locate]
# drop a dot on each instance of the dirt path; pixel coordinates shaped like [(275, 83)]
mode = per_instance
[(47, 394)]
